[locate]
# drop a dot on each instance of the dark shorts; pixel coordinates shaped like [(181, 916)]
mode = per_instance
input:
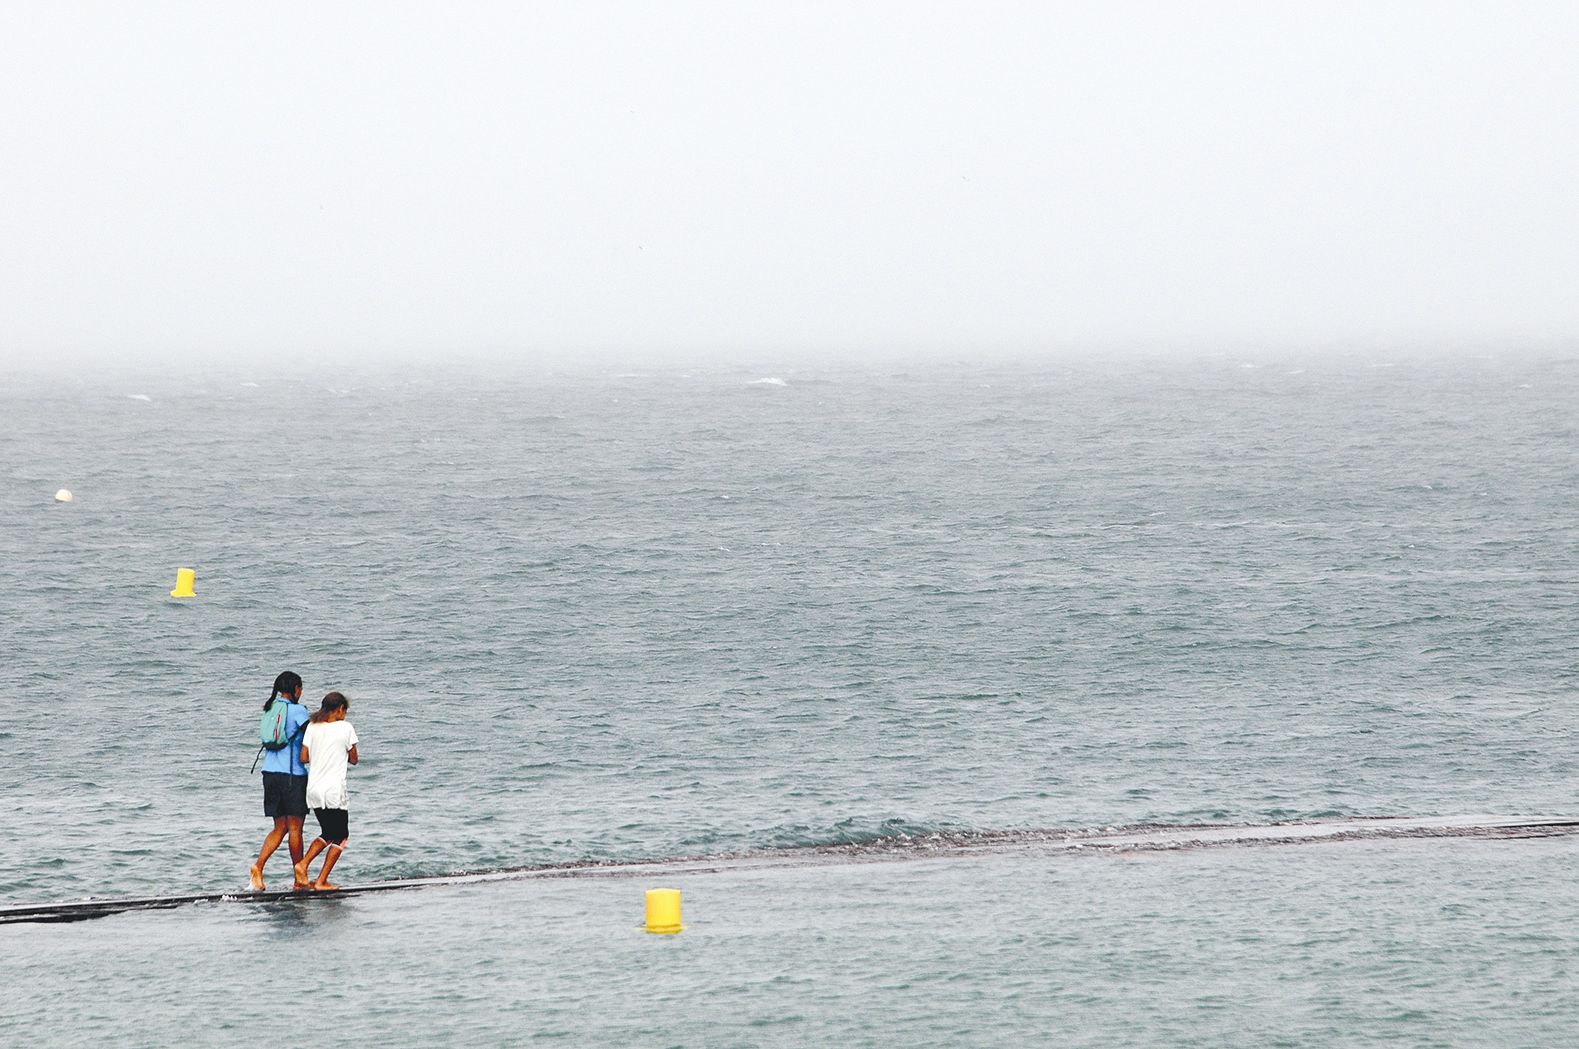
[(284, 794), (334, 825)]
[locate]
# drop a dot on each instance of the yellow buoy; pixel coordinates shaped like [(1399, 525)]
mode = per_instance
[(663, 910), (184, 578)]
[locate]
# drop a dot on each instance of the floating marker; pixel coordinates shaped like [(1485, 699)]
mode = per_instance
[(663, 910), (184, 578), (63, 496)]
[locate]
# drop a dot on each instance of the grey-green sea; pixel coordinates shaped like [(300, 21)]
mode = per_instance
[(588, 615)]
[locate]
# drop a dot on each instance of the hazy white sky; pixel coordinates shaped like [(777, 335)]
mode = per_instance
[(517, 179)]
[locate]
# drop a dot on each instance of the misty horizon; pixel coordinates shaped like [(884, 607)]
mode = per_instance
[(612, 185)]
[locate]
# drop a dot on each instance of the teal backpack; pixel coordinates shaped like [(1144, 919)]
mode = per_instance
[(271, 728)]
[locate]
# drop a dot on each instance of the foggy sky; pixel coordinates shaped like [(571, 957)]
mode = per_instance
[(207, 180)]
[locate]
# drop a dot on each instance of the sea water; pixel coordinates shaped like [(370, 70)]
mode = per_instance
[(589, 615)]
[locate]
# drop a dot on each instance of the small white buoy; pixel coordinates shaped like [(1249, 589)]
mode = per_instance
[(63, 496)]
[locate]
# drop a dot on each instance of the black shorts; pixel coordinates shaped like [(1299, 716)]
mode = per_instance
[(334, 825), (284, 794)]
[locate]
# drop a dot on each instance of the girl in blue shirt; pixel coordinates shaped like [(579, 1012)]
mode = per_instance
[(284, 780)]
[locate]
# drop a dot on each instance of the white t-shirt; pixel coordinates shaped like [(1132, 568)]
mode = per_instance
[(328, 744)]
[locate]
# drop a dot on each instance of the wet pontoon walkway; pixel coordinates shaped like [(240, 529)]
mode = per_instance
[(1052, 843)]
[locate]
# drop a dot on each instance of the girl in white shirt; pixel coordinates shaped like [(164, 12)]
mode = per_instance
[(328, 748)]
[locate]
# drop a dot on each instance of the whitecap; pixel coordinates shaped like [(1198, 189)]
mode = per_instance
[(770, 381), (139, 396)]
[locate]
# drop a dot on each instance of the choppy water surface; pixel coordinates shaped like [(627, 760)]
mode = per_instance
[(1409, 943), (617, 617)]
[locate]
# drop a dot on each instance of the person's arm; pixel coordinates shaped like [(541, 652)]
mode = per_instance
[(305, 759), (351, 757)]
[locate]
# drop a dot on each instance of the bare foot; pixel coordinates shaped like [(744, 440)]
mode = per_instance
[(323, 886), (257, 877), (302, 881)]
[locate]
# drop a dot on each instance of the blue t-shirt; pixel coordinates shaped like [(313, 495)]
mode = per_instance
[(289, 759)]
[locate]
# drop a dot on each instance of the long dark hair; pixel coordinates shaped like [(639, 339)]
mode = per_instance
[(332, 702), (284, 685)]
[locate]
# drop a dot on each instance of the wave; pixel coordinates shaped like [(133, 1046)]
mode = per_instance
[(852, 832), (899, 838)]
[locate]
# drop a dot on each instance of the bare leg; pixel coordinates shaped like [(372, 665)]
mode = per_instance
[(302, 877), (270, 843), (294, 825), (328, 865)]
